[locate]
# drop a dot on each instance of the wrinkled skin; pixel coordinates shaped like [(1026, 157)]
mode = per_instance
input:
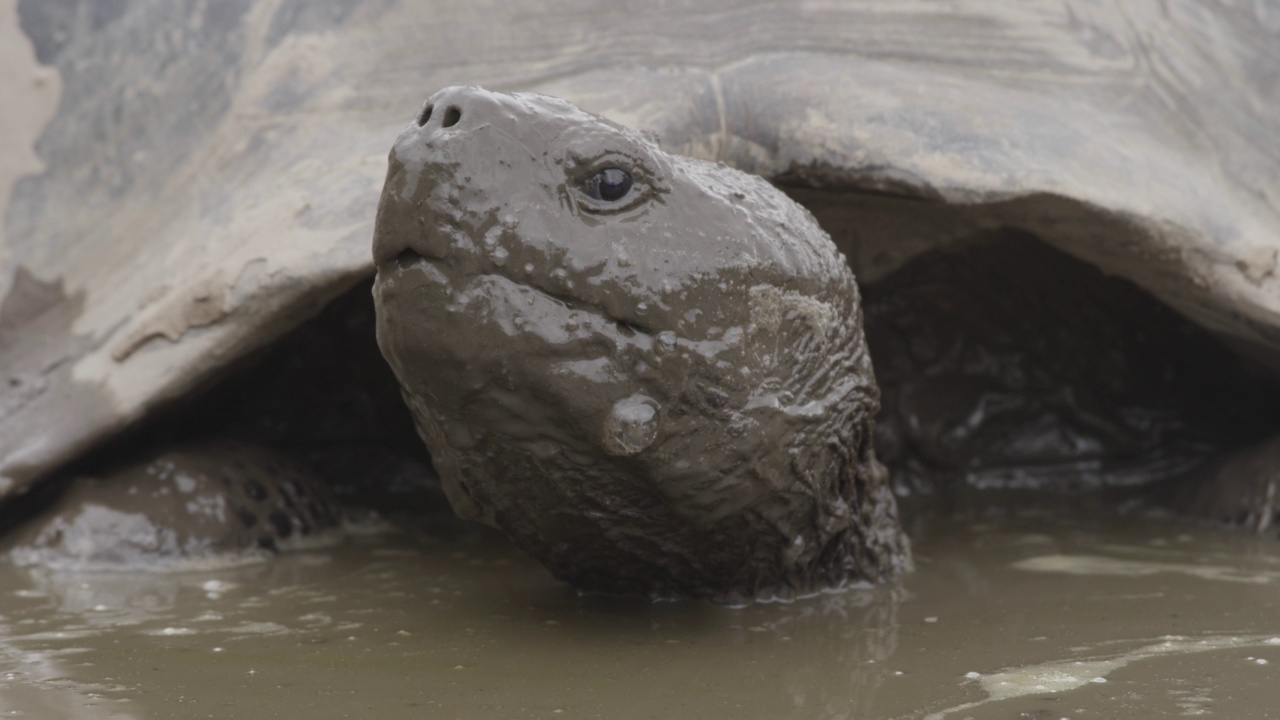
[(667, 393)]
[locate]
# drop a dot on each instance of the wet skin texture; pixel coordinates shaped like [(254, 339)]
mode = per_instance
[(658, 389)]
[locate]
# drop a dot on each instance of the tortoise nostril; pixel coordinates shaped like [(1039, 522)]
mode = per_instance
[(451, 116), (424, 116)]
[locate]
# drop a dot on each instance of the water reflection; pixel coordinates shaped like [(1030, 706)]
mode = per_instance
[(468, 627), (825, 656), (41, 688), (42, 681)]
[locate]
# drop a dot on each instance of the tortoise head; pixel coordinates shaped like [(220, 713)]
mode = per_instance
[(647, 370)]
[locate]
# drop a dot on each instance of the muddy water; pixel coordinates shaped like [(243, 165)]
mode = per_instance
[(1028, 617)]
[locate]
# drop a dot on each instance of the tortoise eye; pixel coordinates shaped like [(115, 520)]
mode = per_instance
[(608, 185)]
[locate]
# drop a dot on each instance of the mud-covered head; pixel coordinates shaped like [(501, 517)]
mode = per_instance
[(647, 369)]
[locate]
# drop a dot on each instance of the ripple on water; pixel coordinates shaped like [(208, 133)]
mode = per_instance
[(1000, 618)]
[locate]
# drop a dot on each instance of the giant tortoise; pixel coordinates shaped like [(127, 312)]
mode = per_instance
[(1063, 220)]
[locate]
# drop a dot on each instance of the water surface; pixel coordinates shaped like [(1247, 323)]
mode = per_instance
[(1031, 617)]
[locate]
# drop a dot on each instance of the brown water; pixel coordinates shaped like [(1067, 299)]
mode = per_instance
[(1020, 618)]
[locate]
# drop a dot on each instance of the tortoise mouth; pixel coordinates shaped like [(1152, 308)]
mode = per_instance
[(626, 324), (430, 243)]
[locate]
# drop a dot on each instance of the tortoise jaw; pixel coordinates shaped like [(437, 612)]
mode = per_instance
[(430, 243), (576, 309), (458, 256)]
